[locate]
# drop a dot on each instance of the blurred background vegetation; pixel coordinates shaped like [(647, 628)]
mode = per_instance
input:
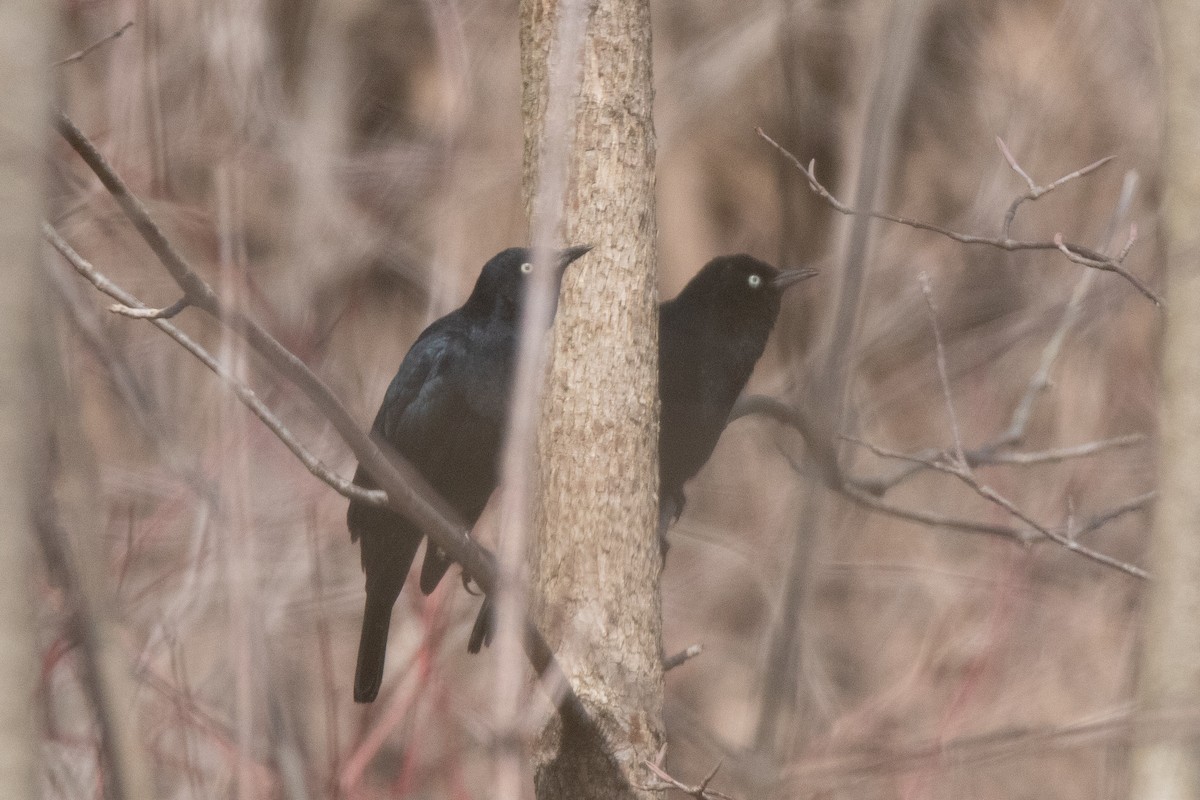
[(342, 170)]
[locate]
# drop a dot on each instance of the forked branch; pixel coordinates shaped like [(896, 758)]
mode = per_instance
[(1077, 253)]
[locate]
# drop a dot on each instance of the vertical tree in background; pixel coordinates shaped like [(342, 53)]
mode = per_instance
[(24, 93), (596, 564), (1169, 767)]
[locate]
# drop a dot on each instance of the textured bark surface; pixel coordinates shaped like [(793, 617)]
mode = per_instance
[(1169, 680), (24, 92), (595, 565)]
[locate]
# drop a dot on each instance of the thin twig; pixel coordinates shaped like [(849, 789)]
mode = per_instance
[(868, 492), (149, 313), (1054, 456), (819, 445), (82, 54), (935, 520), (1107, 264), (1138, 503), (940, 350), (1038, 383), (194, 288), (929, 458), (1012, 162), (1059, 538), (682, 657), (986, 456), (243, 392), (700, 791), (1079, 254), (1036, 191), (964, 473)]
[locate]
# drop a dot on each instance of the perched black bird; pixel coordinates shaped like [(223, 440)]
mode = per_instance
[(709, 339), (445, 411)]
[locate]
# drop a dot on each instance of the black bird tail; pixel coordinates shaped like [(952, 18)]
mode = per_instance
[(481, 633), (435, 566), (389, 545), (372, 645)]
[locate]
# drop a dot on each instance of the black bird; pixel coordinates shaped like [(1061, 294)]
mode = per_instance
[(445, 411), (709, 339)]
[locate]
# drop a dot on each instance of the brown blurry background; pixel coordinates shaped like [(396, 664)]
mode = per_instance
[(343, 169)]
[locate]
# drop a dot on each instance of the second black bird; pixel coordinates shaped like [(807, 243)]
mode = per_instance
[(709, 339), (445, 411)]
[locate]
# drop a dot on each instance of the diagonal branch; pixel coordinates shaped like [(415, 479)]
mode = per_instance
[(80, 55), (244, 393), (1077, 253), (1065, 539)]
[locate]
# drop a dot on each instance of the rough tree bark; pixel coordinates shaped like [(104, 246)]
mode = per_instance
[(595, 563), (24, 93), (1169, 679)]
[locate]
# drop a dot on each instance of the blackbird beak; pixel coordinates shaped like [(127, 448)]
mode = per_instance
[(565, 257), (790, 277)]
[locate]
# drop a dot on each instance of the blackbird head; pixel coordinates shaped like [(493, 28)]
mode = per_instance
[(503, 282), (743, 287)]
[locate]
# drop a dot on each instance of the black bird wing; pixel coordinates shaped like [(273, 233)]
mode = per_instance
[(408, 421), (693, 410), (424, 421)]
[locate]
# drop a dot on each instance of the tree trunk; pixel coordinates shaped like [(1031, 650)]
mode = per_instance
[(24, 90), (595, 562), (1169, 679)]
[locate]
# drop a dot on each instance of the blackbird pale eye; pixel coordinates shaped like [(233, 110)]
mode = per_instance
[(755, 281)]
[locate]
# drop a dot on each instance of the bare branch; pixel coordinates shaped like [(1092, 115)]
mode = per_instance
[(243, 392), (1012, 162), (943, 375), (935, 520), (149, 313), (1040, 380), (820, 446), (1079, 254), (682, 657), (1065, 539), (867, 492), (82, 54), (1057, 537), (1036, 191), (1108, 264), (1138, 503), (985, 456), (1053, 456), (194, 288), (700, 791)]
